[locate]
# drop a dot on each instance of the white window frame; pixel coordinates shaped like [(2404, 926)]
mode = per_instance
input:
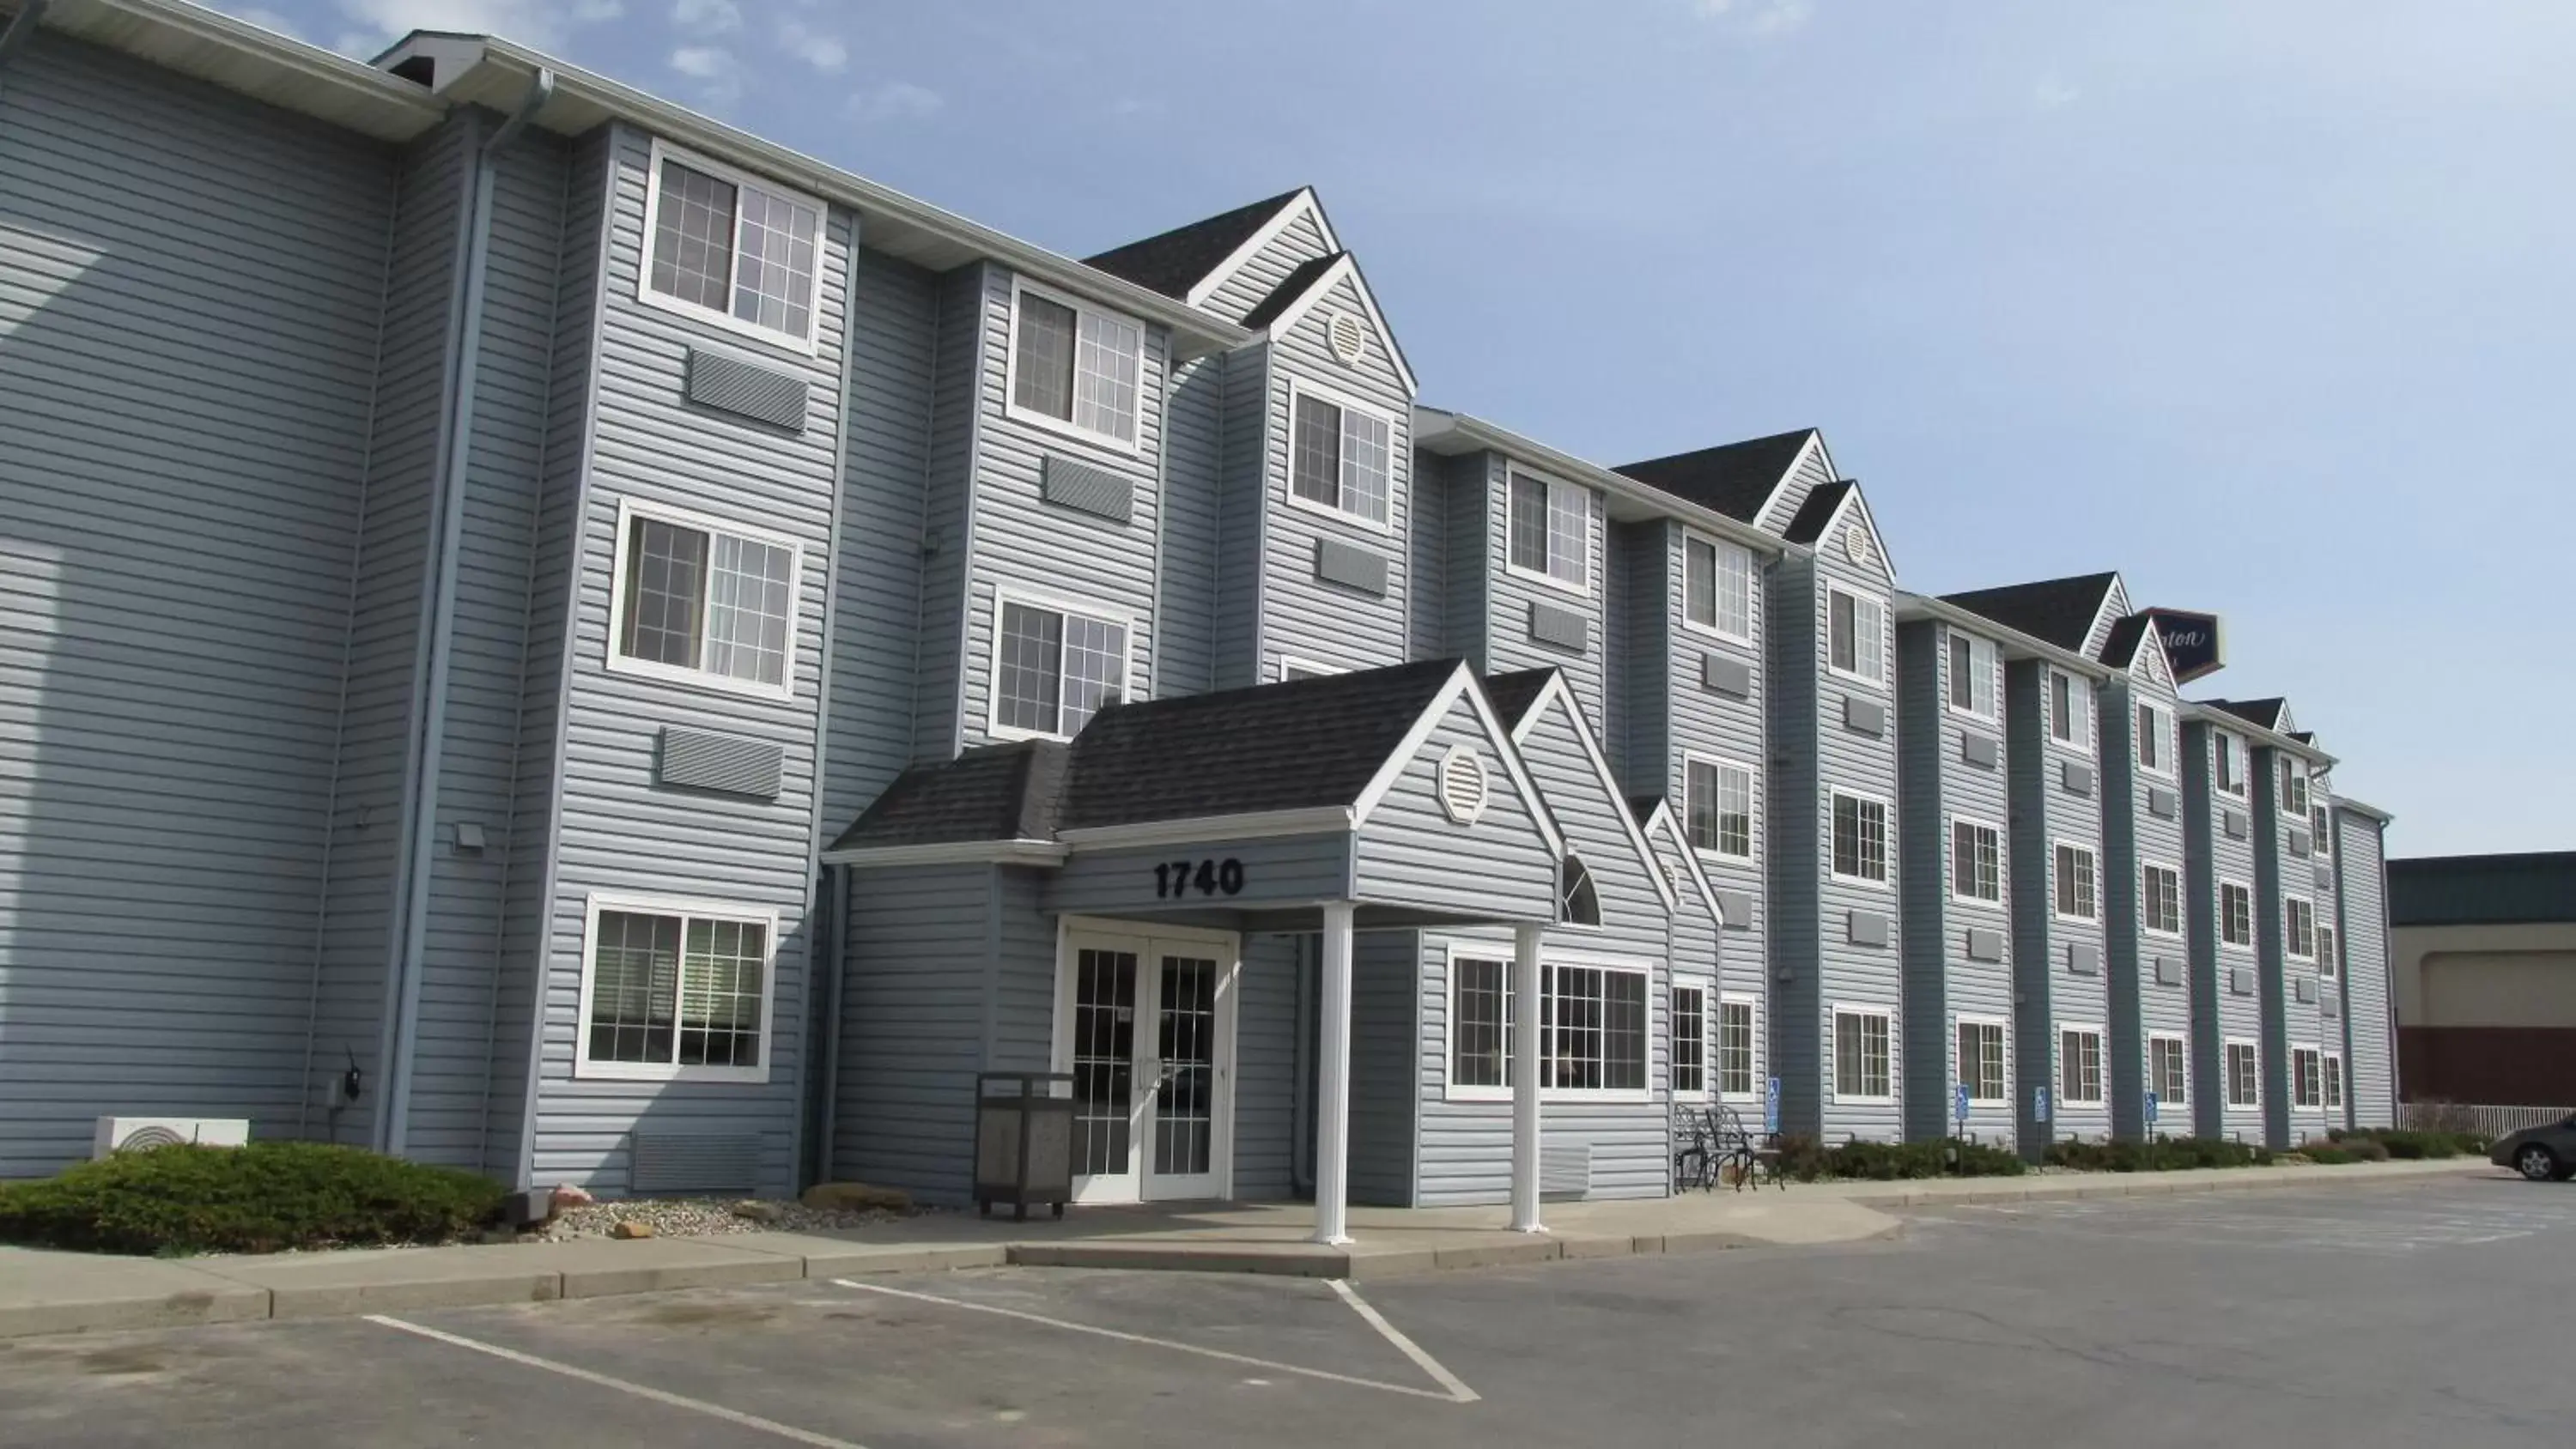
[(1707, 1088), (2329, 953), (1720, 549), (1886, 880), (738, 178), (1513, 473), (2229, 778), (2165, 737), (2182, 1053), (1397, 442), (2227, 1069), (2320, 832), (1981, 660), (2251, 938), (1959, 1066), (2302, 1099), (2003, 863), (1878, 658), (631, 509), (2289, 937), (2055, 870), (2101, 1063), (1305, 668), (1005, 594), (2290, 770), (1549, 960), (586, 1069), (1753, 807), (1835, 1012), (1753, 1047), (2331, 1077), (2079, 711), (1066, 427), (2146, 915)]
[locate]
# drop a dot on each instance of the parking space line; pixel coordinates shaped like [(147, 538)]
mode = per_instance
[(659, 1396), (1200, 1349), (1457, 1389)]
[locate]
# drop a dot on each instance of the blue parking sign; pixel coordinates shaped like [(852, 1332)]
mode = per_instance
[(1771, 1107), (1959, 1104), (2039, 1104), (2151, 1107)]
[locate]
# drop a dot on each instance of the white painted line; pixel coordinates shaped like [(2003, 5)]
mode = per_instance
[(1457, 1389), (1201, 1350), (659, 1396)]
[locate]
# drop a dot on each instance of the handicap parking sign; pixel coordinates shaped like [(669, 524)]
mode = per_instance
[(2151, 1106), (2039, 1104), (1771, 1107), (1959, 1104)]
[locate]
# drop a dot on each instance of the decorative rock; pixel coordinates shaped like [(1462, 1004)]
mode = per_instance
[(568, 1195), (856, 1197), (760, 1212), (631, 1228)]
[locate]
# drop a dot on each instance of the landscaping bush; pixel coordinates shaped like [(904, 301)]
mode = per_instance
[(2169, 1154), (1805, 1159), (255, 1199), (2327, 1154), (2405, 1145)]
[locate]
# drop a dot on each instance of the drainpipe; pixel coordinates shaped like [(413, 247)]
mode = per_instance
[(456, 448), (21, 29), (825, 1063)]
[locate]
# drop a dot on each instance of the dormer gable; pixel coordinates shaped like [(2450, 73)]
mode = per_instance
[(1330, 295), (1835, 521)]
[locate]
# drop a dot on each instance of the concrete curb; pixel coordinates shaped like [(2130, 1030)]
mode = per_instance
[(2144, 1184)]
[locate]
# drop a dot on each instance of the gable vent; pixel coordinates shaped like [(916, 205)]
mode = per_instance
[(1349, 338), (1463, 789)]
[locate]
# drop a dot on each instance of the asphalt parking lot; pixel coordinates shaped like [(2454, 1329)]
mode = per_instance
[(2389, 1316)]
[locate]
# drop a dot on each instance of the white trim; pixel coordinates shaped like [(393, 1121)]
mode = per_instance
[(1550, 959), (1006, 594), (2253, 937), (1835, 1011), (2079, 700), (1303, 203), (1887, 844), (1254, 825), (2183, 1043), (1311, 669), (2182, 907), (2335, 1087), (1461, 685), (1886, 624), (2168, 738), (1752, 587), (585, 1069), (1704, 989), (1716, 1038), (1348, 267), (1146, 937), (2287, 953), (2092, 853), (629, 508), (1023, 852), (1066, 427), (1399, 443), (1958, 1066), (2003, 862), (2227, 1074), (1994, 654), (2244, 753), (1752, 803), (1663, 814), (662, 150), (2102, 1061), (1815, 443), (1557, 691), (2296, 1082), (1548, 485)]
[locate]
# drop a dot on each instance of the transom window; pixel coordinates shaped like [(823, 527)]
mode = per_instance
[(2168, 1075), (1972, 675), (1592, 1027), (2155, 753), (1578, 901), (2235, 914), (1981, 1061), (2076, 899), (698, 600), (2307, 1077), (1976, 861), (1338, 457), (2066, 722), (2079, 1066), (2160, 899), (2299, 918), (1856, 636), (737, 249), (1735, 1069), (1054, 669), (1718, 800), (1551, 528), (675, 992), (1717, 586), (1690, 1041), (1074, 367), (2244, 1075), (2231, 764), (1860, 838), (1863, 1055)]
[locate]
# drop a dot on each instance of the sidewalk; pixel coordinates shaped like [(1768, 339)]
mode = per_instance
[(52, 1292)]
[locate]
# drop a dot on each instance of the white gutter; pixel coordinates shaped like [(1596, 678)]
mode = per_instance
[(1431, 425), (2200, 709), (1316, 820), (951, 852)]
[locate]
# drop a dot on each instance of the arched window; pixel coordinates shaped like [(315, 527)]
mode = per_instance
[(1577, 903)]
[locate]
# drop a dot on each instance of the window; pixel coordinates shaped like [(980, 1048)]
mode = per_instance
[(1862, 1070), (2320, 835), (1054, 669), (1338, 457), (2066, 722), (675, 992), (1981, 1061), (2307, 1086), (2161, 899), (1690, 1041), (1972, 676), (1717, 587), (2329, 965), (702, 601), (2075, 898), (1551, 529), (2231, 764), (1718, 801), (2294, 789), (1578, 903), (2334, 1082), (2235, 914), (1856, 636), (731, 248), (2244, 1075), (1735, 1047), (1976, 861), (2155, 755), (2299, 919), (1304, 669), (1594, 1028), (2079, 1065), (1860, 838), (1481, 1029), (1074, 368), (2167, 1075)]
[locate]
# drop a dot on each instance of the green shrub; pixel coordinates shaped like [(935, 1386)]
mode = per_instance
[(2327, 1154), (1805, 1159), (2166, 1154), (255, 1199), (2411, 1145)]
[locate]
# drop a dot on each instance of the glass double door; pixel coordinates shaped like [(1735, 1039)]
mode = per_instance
[(1146, 1027)]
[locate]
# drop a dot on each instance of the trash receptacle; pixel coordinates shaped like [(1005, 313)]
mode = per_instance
[(1023, 1140)]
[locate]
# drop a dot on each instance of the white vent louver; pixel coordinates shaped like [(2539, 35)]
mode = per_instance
[(1856, 544), (133, 1134), (1462, 785), (1349, 338)]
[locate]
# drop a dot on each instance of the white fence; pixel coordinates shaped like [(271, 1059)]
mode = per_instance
[(2485, 1121)]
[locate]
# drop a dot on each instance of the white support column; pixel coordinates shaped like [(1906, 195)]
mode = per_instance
[(1333, 1083), (1525, 1052)]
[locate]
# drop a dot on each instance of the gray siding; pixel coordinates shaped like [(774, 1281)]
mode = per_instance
[(1467, 625), (1266, 1111), (913, 1027), (1511, 594), (1297, 243), (1428, 601), (190, 294), (1700, 720), (1278, 872), (2287, 1021), (2052, 995), (958, 367), (2370, 1068), (1243, 521), (1791, 846), (2219, 1014), (1193, 471), (2135, 837), (1639, 665), (1811, 470), (1386, 1032), (1411, 854)]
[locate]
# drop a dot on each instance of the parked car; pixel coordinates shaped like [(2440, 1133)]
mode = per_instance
[(2546, 1153)]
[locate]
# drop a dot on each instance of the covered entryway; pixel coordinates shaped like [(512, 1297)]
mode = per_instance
[(1145, 1023)]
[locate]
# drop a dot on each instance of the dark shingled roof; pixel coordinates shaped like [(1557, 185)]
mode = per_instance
[(2442, 890), (1292, 287), (2059, 611), (1297, 745), (1172, 262), (1735, 479), (1513, 694), (2264, 712), (1643, 806), (1817, 511), (994, 792), (2121, 649)]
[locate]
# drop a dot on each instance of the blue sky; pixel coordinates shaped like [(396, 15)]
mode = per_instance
[(2268, 306)]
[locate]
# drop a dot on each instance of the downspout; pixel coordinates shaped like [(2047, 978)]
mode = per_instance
[(824, 951), (402, 1022)]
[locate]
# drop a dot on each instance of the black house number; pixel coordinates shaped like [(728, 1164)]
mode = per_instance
[(1205, 877)]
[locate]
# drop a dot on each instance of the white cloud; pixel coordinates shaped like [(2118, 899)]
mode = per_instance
[(2052, 93), (1757, 17), (544, 24), (716, 70), (824, 52), (706, 17), (896, 101)]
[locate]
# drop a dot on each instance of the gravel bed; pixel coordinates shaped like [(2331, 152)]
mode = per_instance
[(690, 1216)]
